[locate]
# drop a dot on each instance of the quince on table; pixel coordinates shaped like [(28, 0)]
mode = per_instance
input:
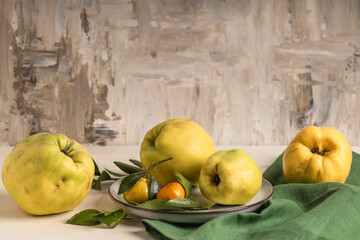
[(317, 154)]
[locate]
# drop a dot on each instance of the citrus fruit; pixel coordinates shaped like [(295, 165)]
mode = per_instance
[(139, 193), (171, 191)]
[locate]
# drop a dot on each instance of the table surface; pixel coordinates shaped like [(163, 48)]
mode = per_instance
[(16, 224)]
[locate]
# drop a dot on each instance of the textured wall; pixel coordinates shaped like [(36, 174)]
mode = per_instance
[(250, 72)]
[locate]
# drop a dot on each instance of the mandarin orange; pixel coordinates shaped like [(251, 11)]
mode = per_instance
[(171, 191)]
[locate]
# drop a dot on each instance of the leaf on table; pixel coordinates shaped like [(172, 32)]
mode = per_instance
[(85, 218), (184, 182), (90, 217), (111, 219)]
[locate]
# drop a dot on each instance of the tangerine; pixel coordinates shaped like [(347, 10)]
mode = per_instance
[(171, 191), (139, 193)]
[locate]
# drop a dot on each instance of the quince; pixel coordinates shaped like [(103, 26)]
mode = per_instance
[(185, 141), (317, 154), (48, 173)]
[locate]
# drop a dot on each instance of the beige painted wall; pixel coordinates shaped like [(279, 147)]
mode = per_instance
[(250, 72)]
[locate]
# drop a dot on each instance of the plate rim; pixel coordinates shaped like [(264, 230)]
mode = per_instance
[(196, 212)]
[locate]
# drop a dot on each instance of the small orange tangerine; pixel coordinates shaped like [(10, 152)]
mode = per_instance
[(171, 191)]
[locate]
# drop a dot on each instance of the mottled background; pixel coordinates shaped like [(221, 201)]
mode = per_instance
[(250, 72)]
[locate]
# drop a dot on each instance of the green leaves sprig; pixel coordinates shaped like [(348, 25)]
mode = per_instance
[(108, 175), (132, 178), (91, 217), (135, 172)]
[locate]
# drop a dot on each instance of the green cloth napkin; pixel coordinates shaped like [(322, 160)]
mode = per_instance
[(296, 211)]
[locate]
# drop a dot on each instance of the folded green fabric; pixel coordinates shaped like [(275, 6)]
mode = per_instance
[(296, 211)]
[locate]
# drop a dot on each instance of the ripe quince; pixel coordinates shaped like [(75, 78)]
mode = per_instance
[(185, 141), (317, 154), (230, 177), (48, 173)]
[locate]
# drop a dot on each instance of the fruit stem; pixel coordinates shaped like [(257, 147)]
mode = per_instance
[(317, 151), (68, 146), (216, 180)]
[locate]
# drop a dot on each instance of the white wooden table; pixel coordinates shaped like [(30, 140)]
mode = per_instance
[(16, 224)]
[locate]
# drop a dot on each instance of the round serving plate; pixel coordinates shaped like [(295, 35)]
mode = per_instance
[(198, 216)]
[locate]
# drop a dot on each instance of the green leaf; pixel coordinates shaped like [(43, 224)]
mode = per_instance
[(155, 164), (153, 188), (103, 177), (114, 173), (97, 171), (136, 163), (128, 168), (184, 182), (179, 204), (129, 181), (85, 218), (111, 219), (159, 204), (96, 184), (185, 203), (90, 217)]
